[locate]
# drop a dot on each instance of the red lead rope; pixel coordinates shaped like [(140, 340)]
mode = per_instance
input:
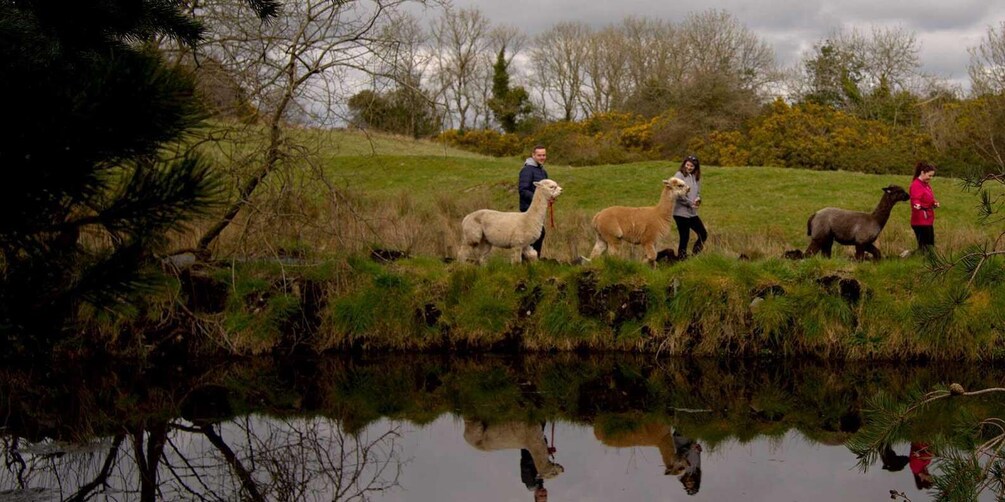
[(552, 449), (551, 212)]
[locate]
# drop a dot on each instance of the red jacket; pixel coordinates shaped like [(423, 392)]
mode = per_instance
[(921, 195), (920, 457)]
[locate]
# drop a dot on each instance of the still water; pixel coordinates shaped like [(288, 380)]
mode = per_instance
[(437, 428)]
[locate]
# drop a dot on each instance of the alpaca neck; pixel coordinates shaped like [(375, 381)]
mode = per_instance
[(668, 451), (665, 206), (539, 452), (538, 206), (882, 212)]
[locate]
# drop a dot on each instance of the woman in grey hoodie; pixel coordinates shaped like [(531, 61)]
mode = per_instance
[(685, 212)]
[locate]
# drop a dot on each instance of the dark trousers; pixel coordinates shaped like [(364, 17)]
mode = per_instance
[(538, 243), (684, 227), (925, 235)]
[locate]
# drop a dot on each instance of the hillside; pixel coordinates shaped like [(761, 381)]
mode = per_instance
[(758, 211)]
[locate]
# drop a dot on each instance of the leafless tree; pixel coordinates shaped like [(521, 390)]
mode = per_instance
[(295, 68), (720, 43), (641, 39), (405, 57), (604, 72), (559, 59), (294, 459), (987, 83), (461, 40), (987, 62)]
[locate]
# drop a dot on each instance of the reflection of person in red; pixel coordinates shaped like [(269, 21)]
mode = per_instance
[(920, 457), (541, 494)]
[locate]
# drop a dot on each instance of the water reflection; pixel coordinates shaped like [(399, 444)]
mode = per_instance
[(681, 454), (440, 428), (536, 463)]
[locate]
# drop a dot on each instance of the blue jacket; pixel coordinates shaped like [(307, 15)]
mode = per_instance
[(531, 172)]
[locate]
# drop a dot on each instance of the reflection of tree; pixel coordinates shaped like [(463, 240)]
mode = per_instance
[(101, 479), (296, 459), (258, 458)]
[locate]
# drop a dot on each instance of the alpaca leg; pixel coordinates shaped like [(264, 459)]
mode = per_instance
[(826, 246), (813, 248), (614, 247), (528, 253), (874, 251), (859, 252), (598, 248), (482, 251), (650, 251)]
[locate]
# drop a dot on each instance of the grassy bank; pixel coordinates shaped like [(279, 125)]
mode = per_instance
[(709, 305), (294, 271)]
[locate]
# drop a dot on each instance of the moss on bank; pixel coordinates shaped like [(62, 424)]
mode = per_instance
[(709, 305)]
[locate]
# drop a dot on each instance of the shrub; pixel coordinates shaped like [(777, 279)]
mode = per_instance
[(484, 141)]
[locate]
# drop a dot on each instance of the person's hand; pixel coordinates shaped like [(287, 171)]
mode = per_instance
[(936, 204), (697, 447), (697, 202), (917, 206)]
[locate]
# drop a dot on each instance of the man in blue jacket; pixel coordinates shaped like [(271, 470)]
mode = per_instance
[(533, 170)]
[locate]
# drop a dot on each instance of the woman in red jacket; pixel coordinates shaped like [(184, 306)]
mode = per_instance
[(923, 206)]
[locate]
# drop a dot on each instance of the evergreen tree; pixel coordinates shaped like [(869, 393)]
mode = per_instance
[(509, 105), (97, 188)]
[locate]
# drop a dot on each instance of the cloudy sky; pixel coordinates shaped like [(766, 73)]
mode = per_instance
[(944, 28)]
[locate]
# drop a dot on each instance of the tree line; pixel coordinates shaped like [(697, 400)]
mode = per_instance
[(695, 82)]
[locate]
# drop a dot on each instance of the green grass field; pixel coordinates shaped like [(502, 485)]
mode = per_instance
[(757, 211)]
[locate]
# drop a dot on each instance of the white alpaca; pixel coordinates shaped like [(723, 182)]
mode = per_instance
[(516, 436), (484, 229), (638, 225)]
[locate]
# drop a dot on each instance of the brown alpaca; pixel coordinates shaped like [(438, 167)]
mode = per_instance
[(637, 225), (648, 434), (852, 228)]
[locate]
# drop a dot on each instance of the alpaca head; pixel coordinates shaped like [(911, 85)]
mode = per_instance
[(551, 471), (550, 188), (677, 186), (896, 193)]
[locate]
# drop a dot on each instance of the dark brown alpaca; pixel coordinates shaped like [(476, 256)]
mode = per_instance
[(856, 228)]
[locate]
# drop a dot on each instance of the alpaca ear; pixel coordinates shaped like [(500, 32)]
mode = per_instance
[(666, 182), (537, 183)]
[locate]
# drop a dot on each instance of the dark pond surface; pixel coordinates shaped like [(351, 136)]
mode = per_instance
[(449, 428)]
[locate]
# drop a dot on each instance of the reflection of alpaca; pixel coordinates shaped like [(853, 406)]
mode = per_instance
[(513, 435), (650, 434), (891, 461), (681, 455)]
